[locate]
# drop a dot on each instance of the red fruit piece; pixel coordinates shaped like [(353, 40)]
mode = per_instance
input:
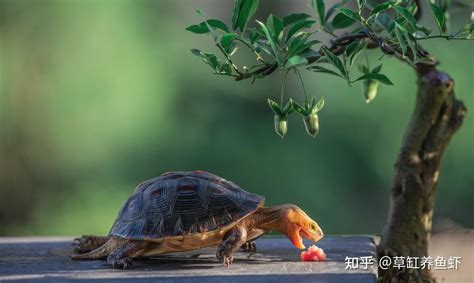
[(313, 254)]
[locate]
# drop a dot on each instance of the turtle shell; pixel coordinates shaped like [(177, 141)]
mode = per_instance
[(183, 203)]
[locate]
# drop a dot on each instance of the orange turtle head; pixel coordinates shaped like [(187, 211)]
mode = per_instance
[(296, 225)]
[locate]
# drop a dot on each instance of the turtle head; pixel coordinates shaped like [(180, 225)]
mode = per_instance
[(296, 225)]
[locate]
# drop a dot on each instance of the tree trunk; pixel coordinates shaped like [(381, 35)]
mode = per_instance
[(436, 117)]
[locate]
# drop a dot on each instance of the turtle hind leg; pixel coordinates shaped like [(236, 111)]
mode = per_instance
[(88, 243), (249, 247), (121, 256), (101, 252)]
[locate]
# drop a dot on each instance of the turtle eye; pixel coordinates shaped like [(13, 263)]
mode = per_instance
[(313, 226)]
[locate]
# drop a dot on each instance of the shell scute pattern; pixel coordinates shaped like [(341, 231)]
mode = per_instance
[(181, 203)]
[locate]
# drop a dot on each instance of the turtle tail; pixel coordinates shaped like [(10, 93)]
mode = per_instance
[(101, 252)]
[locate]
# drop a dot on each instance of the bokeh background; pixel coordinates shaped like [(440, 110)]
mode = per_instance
[(96, 96)]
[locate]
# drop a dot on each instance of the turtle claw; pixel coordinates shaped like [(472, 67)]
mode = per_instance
[(88, 243), (228, 261), (222, 257), (82, 244), (249, 247), (122, 263)]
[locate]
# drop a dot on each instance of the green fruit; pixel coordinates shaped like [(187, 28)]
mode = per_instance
[(311, 122), (281, 125), (369, 89)]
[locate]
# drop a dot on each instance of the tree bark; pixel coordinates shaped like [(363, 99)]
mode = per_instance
[(435, 119)]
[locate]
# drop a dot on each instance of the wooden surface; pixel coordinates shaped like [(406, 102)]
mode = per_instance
[(47, 259)]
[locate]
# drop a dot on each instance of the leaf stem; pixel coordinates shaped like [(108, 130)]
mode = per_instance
[(283, 88), (302, 84), (228, 59), (367, 59)]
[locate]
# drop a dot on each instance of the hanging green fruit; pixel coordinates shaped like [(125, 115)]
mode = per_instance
[(369, 85), (369, 89), (311, 123), (281, 116), (310, 115), (281, 125)]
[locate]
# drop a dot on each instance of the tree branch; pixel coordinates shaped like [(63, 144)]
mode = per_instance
[(338, 46)]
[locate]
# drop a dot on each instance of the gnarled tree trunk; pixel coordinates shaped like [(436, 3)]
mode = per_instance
[(435, 119)]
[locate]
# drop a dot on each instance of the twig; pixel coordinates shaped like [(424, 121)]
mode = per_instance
[(228, 59), (224, 74), (447, 37)]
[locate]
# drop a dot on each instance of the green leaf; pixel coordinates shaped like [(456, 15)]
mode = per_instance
[(299, 26), (351, 48), (384, 21), (293, 18), (196, 52), (406, 14), (378, 77), (295, 61), (298, 108), (288, 109), (272, 42), (381, 7), (342, 21), (227, 40), (235, 13), (320, 69), (274, 106), (243, 11), (424, 30), (202, 27), (263, 46), (318, 7), (226, 68), (299, 36), (413, 8), (254, 34), (333, 9), (377, 69), (275, 26), (334, 60), (364, 69), (354, 49), (465, 31), (206, 22), (412, 44), (207, 58), (349, 13), (319, 105), (309, 53), (298, 44), (400, 34), (439, 16), (360, 4)]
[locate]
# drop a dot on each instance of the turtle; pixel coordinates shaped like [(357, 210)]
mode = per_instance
[(188, 210)]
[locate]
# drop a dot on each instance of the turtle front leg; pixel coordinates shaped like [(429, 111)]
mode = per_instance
[(121, 257), (88, 243), (234, 239)]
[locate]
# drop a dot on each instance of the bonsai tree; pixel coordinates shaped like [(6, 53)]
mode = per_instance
[(289, 44)]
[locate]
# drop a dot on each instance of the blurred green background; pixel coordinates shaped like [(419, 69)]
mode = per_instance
[(96, 96)]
